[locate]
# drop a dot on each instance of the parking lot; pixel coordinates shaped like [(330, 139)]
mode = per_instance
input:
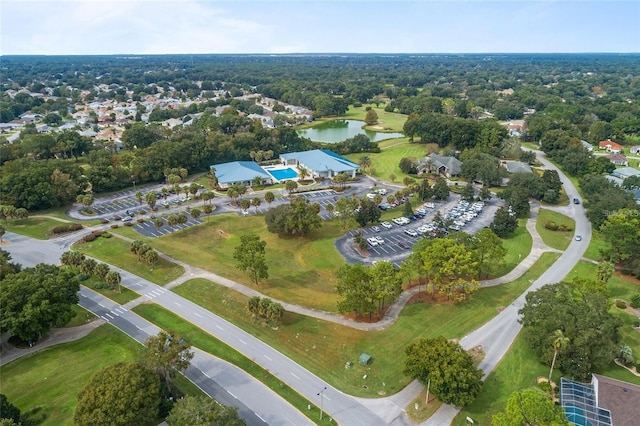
[(397, 243), (148, 229)]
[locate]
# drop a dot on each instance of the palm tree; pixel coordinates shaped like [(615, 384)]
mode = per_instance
[(139, 196), (158, 222), (560, 343), (364, 162), (269, 197), (255, 202), (303, 173), (195, 213), (151, 199)]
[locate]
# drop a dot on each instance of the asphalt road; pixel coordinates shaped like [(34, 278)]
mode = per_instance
[(344, 408), (497, 335)]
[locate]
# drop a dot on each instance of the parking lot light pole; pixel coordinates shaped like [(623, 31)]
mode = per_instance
[(321, 394)]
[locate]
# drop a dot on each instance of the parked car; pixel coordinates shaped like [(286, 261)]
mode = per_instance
[(375, 228), (411, 232), (372, 242), (379, 240), (403, 245), (387, 225)]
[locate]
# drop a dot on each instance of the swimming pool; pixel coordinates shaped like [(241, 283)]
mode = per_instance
[(282, 174)]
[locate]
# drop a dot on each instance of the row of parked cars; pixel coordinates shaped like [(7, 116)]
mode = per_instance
[(464, 213)]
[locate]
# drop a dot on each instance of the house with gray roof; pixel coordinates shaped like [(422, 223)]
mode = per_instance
[(587, 145), (516, 166), (322, 163), (635, 150), (625, 172), (439, 164), (243, 172)]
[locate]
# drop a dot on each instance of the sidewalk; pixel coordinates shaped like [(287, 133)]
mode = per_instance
[(56, 336)]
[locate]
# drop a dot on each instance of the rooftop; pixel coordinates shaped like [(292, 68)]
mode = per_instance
[(319, 160)]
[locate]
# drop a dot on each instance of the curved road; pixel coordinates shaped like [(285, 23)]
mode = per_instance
[(495, 336)]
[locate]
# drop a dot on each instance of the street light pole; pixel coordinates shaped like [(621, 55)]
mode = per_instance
[(321, 394)]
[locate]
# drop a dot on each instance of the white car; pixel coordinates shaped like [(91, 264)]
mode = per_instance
[(379, 240), (387, 225), (375, 228), (411, 232), (372, 242)]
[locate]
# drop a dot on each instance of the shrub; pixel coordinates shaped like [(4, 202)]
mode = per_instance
[(128, 224), (140, 220), (551, 225), (636, 324), (564, 228), (142, 212), (83, 277), (104, 221), (635, 301), (106, 235), (71, 227), (89, 237), (545, 386), (114, 226), (117, 218), (98, 232), (621, 304)]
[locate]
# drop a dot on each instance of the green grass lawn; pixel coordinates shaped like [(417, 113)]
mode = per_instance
[(204, 341), (518, 370), (387, 121), (324, 347), (518, 246), (120, 295), (34, 227), (386, 162), (596, 244), (53, 377), (301, 270), (82, 317), (117, 252), (556, 239)]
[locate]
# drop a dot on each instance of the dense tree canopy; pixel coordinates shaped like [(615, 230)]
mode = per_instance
[(167, 355), (120, 394), (203, 411), (36, 299), (453, 377), (296, 218), (250, 257), (579, 309), (530, 407)]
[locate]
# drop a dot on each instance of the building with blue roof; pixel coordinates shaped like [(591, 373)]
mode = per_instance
[(321, 163), (243, 172)]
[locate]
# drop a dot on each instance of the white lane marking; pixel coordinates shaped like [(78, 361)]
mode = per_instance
[(229, 392), (327, 398), (155, 293), (242, 341), (206, 374), (268, 358), (150, 297), (219, 328), (197, 314), (101, 316), (115, 313), (177, 303), (108, 315), (258, 416), (124, 309), (295, 376), (116, 310)]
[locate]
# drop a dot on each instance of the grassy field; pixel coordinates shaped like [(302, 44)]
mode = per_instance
[(53, 377), (386, 162), (324, 347), (34, 227), (518, 370), (117, 252), (387, 121), (518, 246), (301, 270), (596, 244), (198, 338), (556, 239)]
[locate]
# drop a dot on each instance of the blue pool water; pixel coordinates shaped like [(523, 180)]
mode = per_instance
[(281, 174)]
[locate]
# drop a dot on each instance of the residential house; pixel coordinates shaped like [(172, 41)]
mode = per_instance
[(625, 172), (635, 150), (618, 159), (439, 164), (610, 146), (604, 401), (516, 166), (587, 145)]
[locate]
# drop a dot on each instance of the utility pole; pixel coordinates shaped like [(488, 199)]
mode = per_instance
[(321, 395)]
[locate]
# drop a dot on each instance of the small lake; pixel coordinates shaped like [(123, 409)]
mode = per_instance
[(339, 130)]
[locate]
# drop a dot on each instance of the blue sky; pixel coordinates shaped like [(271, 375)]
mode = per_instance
[(270, 26)]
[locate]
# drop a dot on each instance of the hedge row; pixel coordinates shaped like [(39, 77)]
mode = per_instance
[(61, 229)]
